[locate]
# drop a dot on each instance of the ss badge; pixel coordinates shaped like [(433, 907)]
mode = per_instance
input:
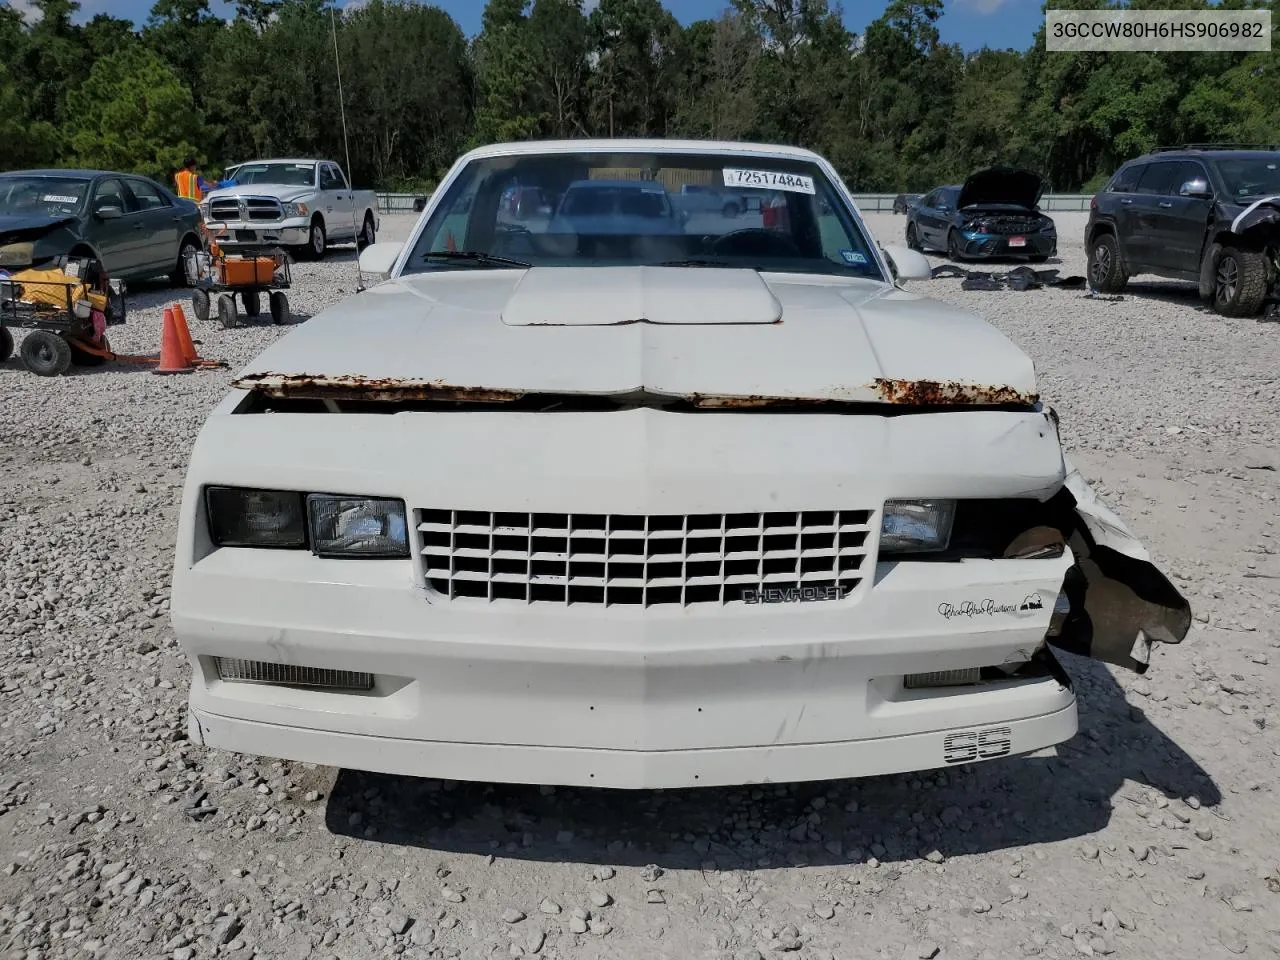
[(973, 745)]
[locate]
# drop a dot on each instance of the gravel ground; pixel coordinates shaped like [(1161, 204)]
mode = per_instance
[(1151, 834)]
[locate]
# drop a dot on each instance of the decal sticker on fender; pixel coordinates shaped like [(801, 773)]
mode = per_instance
[(986, 607)]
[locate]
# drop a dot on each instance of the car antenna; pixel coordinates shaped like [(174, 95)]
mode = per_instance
[(346, 143)]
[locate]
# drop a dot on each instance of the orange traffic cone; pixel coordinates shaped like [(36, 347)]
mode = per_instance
[(172, 359), (184, 335)]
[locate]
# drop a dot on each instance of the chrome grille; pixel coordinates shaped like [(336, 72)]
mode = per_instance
[(255, 208), (291, 675), (618, 559)]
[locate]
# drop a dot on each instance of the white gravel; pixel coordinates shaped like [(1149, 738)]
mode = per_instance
[(1152, 834)]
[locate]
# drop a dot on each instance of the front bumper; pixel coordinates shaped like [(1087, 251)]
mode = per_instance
[(978, 246), (619, 697), (288, 233)]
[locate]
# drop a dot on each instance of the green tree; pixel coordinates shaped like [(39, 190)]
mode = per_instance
[(133, 113)]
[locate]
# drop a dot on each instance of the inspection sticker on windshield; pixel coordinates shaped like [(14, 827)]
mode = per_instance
[(53, 198), (852, 256), (794, 182)]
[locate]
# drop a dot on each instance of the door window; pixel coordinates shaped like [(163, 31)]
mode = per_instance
[(1160, 179), (148, 195), (329, 179), (1127, 179), (114, 193), (930, 200)]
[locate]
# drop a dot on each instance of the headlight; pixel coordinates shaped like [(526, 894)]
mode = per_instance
[(255, 518), (17, 254), (292, 210), (204, 209), (916, 526), (357, 527)]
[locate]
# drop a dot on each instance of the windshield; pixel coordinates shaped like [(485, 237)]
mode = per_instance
[(284, 174), (1252, 176), (631, 209), (41, 196)]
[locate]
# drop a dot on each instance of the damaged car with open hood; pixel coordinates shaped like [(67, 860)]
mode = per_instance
[(994, 213), (587, 504)]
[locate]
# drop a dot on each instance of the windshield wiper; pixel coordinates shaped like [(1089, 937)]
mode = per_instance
[(696, 263), (474, 256)]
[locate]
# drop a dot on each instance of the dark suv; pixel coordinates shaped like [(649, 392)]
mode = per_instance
[(1206, 214)]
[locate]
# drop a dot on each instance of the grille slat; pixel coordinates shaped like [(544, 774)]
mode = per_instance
[(630, 560), (234, 670)]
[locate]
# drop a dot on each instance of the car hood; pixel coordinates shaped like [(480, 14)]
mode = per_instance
[(277, 190), (15, 229), (711, 337), (1001, 185)]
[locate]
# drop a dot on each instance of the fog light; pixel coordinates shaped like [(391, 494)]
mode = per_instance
[(234, 670), (942, 678)]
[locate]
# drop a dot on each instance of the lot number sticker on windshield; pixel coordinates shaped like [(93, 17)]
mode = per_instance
[(733, 177), (53, 198)]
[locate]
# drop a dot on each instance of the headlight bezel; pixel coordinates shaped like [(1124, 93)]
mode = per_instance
[(295, 209), (901, 544), (219, 520), (18, 254)]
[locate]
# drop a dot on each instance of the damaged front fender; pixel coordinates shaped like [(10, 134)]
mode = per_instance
[(1120, 602)]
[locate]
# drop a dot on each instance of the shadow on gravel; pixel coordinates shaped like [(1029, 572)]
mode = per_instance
[(969, 810)]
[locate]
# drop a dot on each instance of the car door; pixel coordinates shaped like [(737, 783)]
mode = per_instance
[(162, 226), (339, 205), (1182, 218), (115, 229), (1150, 200), (925, 219)]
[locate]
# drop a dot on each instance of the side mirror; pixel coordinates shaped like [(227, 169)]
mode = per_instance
[(108, 211), (379, 258), (907, 264), (1198, 189)]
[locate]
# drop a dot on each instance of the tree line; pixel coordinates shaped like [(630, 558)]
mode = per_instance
[(894, 108)]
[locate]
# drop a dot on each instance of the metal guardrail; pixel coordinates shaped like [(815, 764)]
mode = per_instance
[(403, 203)]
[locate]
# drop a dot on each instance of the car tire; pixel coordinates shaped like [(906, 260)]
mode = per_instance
[(179, 276), (227, 315), (6, 344), (1240, 284), (1209, 274), (913, 238), (953, 246), (279, 308), (1106, 269), (45, 354), (200, 304), (368, 236), (318, 242), (252, 301)]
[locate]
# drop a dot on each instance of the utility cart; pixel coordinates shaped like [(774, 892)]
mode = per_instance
[(218, 278), (67, 306)]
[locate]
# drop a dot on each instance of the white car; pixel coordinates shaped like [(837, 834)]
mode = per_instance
[(303, 204), (637, 509)]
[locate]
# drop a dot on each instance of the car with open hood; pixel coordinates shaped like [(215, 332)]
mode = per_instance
[(571, 504), (133, 225), (994, 213)]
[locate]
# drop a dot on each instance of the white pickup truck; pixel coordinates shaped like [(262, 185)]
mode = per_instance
[(301, 204)]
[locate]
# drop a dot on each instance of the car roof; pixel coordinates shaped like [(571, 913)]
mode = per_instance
[(1192, 152), (67, 174), (299, 160), (626, 145)]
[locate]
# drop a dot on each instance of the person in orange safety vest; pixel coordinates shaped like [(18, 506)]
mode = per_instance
[(191, 186)]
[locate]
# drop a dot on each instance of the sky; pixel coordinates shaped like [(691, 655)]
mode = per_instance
[(970, 23)]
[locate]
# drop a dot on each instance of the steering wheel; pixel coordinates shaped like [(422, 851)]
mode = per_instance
[(755, 242)]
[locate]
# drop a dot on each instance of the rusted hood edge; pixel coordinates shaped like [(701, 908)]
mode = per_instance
[(913, 393)]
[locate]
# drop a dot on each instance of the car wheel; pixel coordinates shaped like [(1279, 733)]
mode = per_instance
[(6, 344), (953, 246), (913, 238), (45, 354), (1209, 274), (319, 241), (367, 234), (200, 304), (1241, 283), (227, 311), (179, 276), (1106, 270), (279, 308)]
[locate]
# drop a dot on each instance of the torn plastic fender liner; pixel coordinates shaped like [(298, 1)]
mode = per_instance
[(1120, 602)]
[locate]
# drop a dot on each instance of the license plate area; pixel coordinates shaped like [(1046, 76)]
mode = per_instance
[(1017, 241), (246, 236)]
